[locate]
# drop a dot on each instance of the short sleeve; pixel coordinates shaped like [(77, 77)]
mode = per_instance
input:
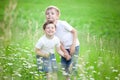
[(39, 44), (67, 26)]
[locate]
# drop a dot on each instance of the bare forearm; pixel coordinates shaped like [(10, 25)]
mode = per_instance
[(74, 32), (62, 48), (59, 50), (38, 52), (61, 53), (72, 48)]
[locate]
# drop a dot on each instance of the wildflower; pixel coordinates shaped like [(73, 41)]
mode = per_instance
[(5, 77), (31, 72), (116, 78), (94, 71), (92, 79), (119, 74), (10, 64), (19, 75), (114, 70), (64, 73), (107, 78), (100, 63), (81, 75), (99, 73), (91, 67)]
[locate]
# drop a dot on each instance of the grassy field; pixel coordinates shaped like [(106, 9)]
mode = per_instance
[(97, 23)]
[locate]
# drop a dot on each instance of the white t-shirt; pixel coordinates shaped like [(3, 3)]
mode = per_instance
[(47, 45), (63, 32)]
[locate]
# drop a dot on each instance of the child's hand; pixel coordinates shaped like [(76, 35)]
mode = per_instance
[(67, 56), (72, 49), (46, 55)]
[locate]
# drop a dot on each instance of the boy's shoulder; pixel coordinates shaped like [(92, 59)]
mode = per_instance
[(61, 22), (42, 38)]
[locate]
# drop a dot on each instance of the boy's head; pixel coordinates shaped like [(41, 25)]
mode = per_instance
[(49, 28), (52, 13)]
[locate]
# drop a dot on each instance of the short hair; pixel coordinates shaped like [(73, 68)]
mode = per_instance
[(53, 7), (46, 23)]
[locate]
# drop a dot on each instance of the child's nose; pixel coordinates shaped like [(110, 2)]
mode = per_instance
[(50, 14)]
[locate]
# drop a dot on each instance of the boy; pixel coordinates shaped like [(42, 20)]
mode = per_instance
[(45, 51), (68, 37)]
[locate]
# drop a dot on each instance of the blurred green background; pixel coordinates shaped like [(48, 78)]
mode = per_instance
[(97, 23)]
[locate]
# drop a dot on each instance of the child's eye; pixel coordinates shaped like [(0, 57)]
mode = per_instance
[(52, 13), (47, 13)]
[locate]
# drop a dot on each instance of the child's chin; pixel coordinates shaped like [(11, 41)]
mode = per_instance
[(51, 34)]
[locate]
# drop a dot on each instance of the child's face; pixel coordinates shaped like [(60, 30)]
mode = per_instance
[(50, 30), (51, 15)]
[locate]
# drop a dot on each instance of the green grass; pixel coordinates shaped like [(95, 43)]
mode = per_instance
[(97, 23)]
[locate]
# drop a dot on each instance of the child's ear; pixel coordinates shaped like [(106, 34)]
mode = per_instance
[(58, 15)]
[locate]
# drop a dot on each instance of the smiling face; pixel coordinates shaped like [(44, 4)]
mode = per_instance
[(49, 30), (52, 15)]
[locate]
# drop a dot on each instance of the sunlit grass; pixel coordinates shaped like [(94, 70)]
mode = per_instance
[(18, 62), (98, 31)]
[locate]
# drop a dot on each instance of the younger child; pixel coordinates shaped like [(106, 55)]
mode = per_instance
[(68, 37), (45, 51)]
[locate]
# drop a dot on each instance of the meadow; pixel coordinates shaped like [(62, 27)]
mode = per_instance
[(98, 26)]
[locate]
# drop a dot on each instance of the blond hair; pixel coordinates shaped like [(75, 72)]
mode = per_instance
[(53, 7)]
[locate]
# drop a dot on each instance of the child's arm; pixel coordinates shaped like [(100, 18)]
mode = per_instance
[(72, 48), (66, 55), (38, 52), (63, 49), (60, 51)]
